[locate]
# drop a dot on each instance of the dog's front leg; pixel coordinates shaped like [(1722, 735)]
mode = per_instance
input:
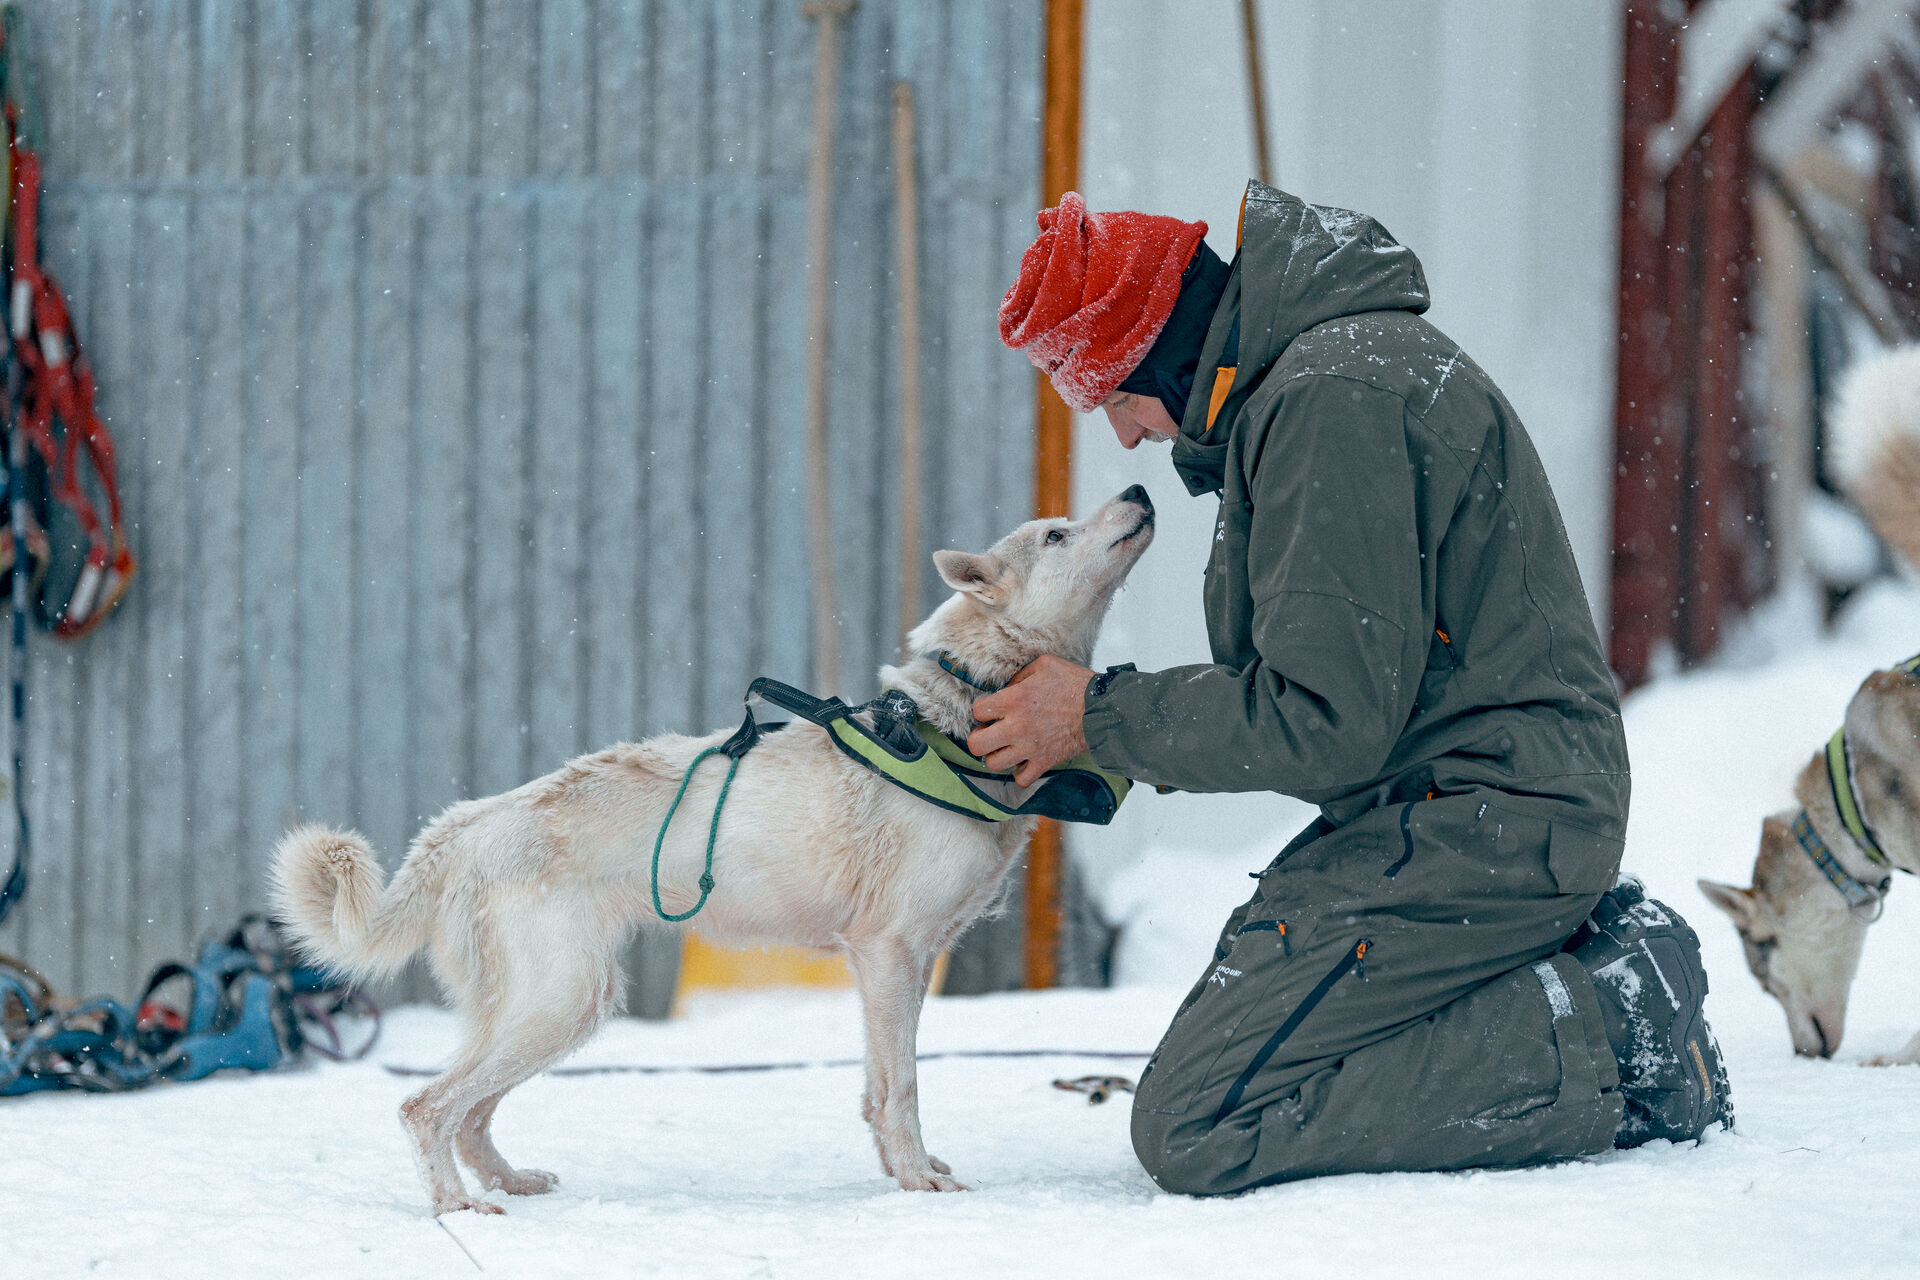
[(892, 981)]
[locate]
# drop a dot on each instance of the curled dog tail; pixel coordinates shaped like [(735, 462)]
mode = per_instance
[(1875, 430), (329, 891)]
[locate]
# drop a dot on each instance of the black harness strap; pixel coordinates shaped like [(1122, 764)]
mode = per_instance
[(894, 714)]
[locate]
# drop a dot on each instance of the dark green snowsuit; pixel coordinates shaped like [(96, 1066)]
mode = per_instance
[(1399, 636)]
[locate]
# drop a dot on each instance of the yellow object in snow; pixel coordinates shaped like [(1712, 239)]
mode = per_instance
[(707, 967)]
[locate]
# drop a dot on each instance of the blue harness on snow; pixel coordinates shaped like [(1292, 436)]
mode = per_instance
[(249, 1009)]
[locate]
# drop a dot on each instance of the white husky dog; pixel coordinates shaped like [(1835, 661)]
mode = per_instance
[(524, 900)]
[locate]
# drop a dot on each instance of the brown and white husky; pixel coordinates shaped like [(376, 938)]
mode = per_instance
[(1802, 940)]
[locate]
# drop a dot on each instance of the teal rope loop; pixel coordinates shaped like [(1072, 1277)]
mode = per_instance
[(713, 832)]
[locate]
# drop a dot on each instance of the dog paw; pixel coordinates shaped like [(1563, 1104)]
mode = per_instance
[(939, 1165), (455, 1206), (1890, 1060), (930, 1180), (526, 1182)]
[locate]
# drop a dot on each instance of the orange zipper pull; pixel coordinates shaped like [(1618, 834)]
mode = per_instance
[(1360, 959)]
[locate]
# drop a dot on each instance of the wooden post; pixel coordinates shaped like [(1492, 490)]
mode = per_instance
[(1687, 551), (1864, 290), (906, 244), (827, 16), (1645, 563), (1053, 456), (1059, 172), (1780, 294), (1718, 577), (1256, 90)]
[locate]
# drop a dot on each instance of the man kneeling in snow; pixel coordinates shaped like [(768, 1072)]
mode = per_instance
[(1440, 972)]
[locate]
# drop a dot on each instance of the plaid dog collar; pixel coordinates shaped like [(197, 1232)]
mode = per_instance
[(1864, 901)]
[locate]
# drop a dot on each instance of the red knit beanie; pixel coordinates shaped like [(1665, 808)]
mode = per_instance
[(1094, 291)]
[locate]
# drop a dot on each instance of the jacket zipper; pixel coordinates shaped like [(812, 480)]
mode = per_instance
[(1406, 839), (1355, 958)]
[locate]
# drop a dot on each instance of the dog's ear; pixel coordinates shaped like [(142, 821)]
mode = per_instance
[(984, 577), (1737, 903)]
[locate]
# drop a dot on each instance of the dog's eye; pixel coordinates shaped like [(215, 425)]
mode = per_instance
[(1056, 535)]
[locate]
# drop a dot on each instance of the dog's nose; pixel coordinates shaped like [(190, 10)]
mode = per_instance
[(1138, 493)]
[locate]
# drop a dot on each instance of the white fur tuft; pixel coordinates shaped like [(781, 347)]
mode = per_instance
[(330, 892), (1874, 443), (1878, 405)]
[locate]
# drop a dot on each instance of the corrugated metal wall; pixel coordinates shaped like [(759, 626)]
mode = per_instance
[(455, 354)]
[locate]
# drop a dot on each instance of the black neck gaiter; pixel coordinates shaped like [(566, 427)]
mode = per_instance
[(1167, 370)]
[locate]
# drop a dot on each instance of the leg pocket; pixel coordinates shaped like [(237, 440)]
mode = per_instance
[(1246, 981), (1352, 960)]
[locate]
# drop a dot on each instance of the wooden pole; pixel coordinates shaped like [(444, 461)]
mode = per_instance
[(1646, 505), (827, 16), (906, 242), (1780, 295), (1863, 289), (1717, 570), (1256, 90), (1053, 457), (1059, 172)]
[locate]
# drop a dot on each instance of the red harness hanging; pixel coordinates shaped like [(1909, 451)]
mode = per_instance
[(57, 417)]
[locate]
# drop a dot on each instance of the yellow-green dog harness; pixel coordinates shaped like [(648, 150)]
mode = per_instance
[(916, 757)]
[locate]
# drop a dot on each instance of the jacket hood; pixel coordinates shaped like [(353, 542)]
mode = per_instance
[(1299, 265)]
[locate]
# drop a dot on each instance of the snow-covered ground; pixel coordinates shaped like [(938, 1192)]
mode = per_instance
[(772, 1174)]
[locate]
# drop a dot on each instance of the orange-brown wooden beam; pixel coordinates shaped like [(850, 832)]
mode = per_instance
[(1053, 456)]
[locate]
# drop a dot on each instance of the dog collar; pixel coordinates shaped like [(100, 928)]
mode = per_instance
[(1865, 902), (1846, 796), (960, 671)]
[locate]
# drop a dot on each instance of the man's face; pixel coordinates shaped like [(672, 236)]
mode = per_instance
[(1136, 417)]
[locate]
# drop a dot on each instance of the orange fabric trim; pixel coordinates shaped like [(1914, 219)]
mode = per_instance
[(1222, 386), (1240, 231)]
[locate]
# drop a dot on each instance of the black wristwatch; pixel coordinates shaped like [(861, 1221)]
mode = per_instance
[(1098, 685)]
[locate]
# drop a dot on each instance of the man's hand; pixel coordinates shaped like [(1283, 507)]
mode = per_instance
[(1034, 723)]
